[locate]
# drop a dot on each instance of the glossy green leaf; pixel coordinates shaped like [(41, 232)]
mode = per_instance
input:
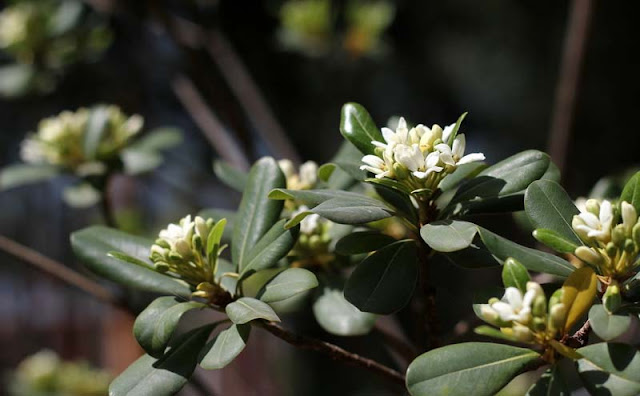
[(384, 281), (229, 175), (155, 325), (246, 309), (554, 240), (610, 369), (92, 245), (456, 128), (338, 316), (363, 242), (552, 173), (608, 326), (551, 383), (462, 173), (346, 211), (96, 126), (22, 174), (448, 236), (273, 246), (472, 368), (257, 213), (548, 206), (631, 192), (357, 127), (489, 331), (287, 284), (509, 176), (221, 351), (148, 376), (219, 214), (313, 198), (515, 275), (533, 260)]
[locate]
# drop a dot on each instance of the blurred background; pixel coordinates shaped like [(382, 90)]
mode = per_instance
[(272, 75)]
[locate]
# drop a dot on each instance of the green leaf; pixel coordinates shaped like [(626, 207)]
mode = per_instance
[(346, 211), (315, 197), (219, 214), (550, 384), (137, 162), (462, 173), (257, 213), (246, 309), (554, 240), (507, 177), (552, 173), (456, 128), (92, 245), (548, 206), (578, 293), (533, 260), (148, 376), (384, 282), (399, 201), (155, 325), (230, 176), (82, 195), (159, 139), (515, 275), (273, 246), (448, 236), (338, 316), (608, 326), (489, 331), (96, 126), (221, 351), (288, 283), (325, 171), (363, 242), (215, 236), (21, 174), (357, 127), (631, 192), (472, 368), (610, 369)]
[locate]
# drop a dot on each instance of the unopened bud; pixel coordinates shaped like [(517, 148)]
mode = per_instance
[(183, 248), (557, 316), (175, 257), (611, 249), (588, 255), (201, 227), (619, 235), (593, 206), (629, 215), (539, 324), (161, 266), (488, 313), (556, 298), (635, 233), (629, 246), (379, 151), (612, 298), (539, 306), (163, 243), (315, 242), (196, 241), (400, 171), (493, 300), (508, 331), (522, 333)]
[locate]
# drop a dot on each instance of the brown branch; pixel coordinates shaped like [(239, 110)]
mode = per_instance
[(424, 304), (565, 96), (59, 271), (213, 129), (397, 344), (580, 338), (333, 351)]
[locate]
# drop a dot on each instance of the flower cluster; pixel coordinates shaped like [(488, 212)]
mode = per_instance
[(611, 234), (527, 317), (305, 179), (189, 251), (45, 373), (419, 157), (313, 246), (60, 140)]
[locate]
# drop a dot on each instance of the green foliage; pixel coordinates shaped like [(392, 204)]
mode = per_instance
[(610, 369), (22, 174), (227, 345), (606, 325), (246, 309), (287, 284), (357, 127), (338, 316), (631, 192), (362, 242)]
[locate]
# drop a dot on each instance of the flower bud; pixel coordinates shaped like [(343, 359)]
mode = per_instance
[(315, 242), (619, 235), (161, 266), (629, 246), (556, 297), (588, 255), (400, 171), (493, 300), (612, 298), (488, 313), (196, 241), (202, 229), (557, 316), (635, 233), (522, 333), (379, 151), (629, 215), (539, 306), (611, 249), (593, 206), (183, 248), (162, 243)]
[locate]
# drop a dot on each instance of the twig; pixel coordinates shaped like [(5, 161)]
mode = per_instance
[(424, 305), (333, 351), (60, 271), (580, 338), (565, 96), (403, 348), (213, 129)]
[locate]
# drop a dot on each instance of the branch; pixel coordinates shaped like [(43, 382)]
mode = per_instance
[(213, 129), (333, 351), (565, 96), (397, 344), (580, 338), (60, 271)]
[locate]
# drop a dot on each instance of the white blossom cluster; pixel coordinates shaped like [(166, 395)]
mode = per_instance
[(60, 140), (419, 156), (305, 178), (611, 236), (525, 317)]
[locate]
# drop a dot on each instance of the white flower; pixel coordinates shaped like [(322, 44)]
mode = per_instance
[(176, 234), (400, 136), (378, 166), (430, 137), (446, 133), (311, 223), (409, 156), (587, 225), (629, 215), (309, 174), (287, 168), (430, 164), (454, 155), (514, 306)]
